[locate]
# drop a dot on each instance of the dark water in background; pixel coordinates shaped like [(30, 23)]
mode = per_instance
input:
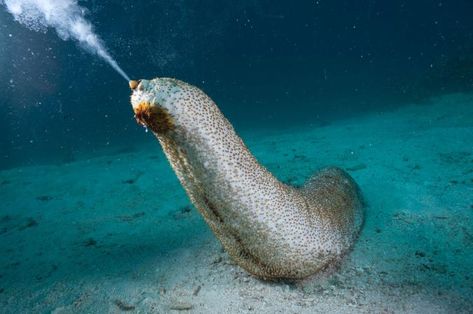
[(268, 64)]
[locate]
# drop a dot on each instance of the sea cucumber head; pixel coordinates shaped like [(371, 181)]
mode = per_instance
[(161, 92), (168, 101), (161, 104)]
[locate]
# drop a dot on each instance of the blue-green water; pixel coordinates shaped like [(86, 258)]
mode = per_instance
[(92, 219), (334, 59)]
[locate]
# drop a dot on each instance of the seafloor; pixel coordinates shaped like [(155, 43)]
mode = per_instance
[(116, 233)]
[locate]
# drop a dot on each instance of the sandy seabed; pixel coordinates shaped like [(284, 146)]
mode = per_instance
[(116, 233)]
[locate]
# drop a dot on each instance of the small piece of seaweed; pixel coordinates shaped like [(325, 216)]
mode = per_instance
[(30, 222), (182, 213), (131, 217), (44, 198), (123, 306), (90, 242), (356, 167)]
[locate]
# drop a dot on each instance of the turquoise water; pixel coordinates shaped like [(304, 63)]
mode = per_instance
[(93, 220)]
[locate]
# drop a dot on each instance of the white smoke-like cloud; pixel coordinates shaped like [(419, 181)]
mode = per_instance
[(67, 17)]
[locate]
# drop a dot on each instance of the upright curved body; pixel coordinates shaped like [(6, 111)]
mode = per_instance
[(272, 230)]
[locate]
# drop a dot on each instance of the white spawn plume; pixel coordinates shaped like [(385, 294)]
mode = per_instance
[(66, 17)]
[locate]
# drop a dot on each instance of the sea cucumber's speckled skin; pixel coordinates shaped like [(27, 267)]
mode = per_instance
[(272, 230)]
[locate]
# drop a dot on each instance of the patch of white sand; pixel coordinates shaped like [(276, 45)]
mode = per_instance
[(116, 233)]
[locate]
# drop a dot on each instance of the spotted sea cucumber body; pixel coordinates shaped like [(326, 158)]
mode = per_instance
[(272, 230)]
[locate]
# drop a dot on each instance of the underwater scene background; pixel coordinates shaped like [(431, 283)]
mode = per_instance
[(93, 220), (255, 58)]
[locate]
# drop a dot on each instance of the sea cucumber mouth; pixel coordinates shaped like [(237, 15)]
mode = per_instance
[(134, 84), (154, 117)]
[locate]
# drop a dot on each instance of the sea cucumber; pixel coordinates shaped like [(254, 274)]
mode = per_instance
[(271, 229)]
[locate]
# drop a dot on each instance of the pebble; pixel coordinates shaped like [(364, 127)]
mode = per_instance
[(180, 306), (217, 260), (123, 306), (196, 291)]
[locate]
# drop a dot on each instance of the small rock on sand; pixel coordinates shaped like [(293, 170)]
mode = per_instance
[(123, 306), (180, 306), (196, 291)]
